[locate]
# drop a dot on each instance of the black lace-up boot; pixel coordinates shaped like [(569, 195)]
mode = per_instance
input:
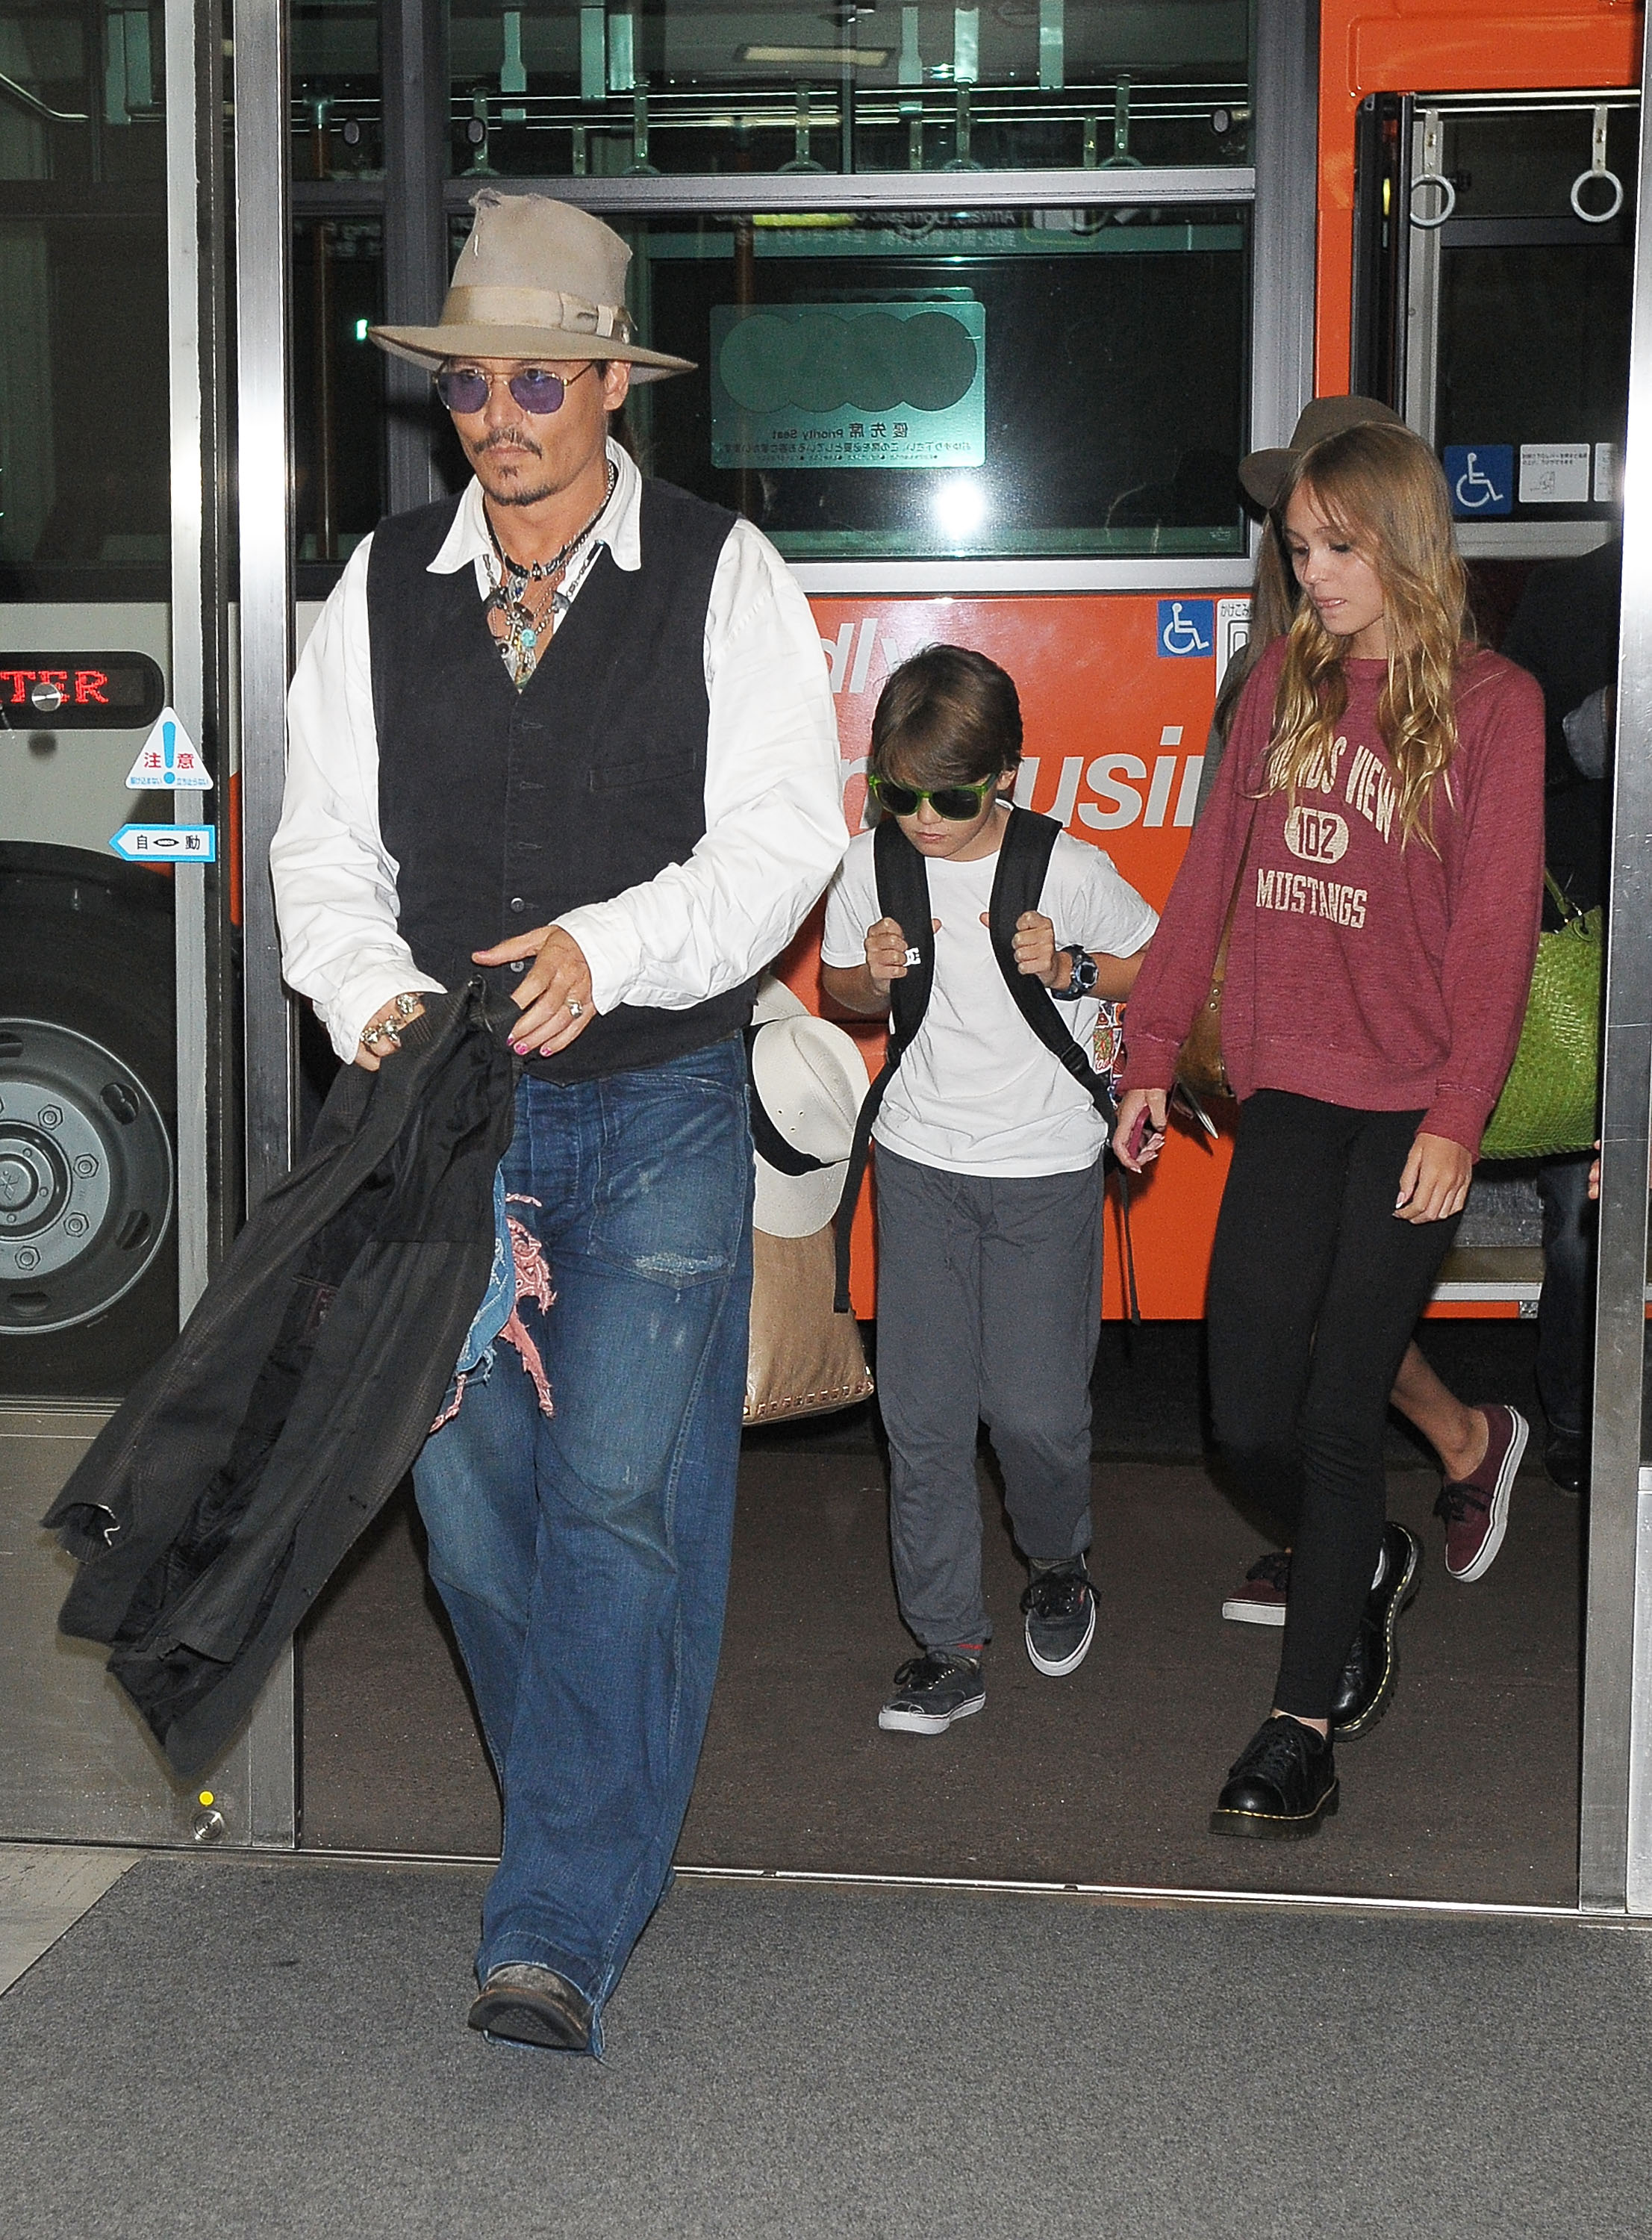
[(1282, 1784), (1366, 1688)]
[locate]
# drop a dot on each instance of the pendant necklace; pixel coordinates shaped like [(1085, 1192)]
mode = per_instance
[(518, 609)]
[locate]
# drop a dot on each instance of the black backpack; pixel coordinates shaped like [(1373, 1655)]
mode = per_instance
[(903, 895)]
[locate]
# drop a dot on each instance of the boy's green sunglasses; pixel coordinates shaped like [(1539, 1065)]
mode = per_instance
[(956, 803)]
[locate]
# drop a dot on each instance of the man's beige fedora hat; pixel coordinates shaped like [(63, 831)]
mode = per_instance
[(536, 279), (1264, 474)]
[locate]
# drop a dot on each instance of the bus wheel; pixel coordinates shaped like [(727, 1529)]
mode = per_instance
[(86, 1178)]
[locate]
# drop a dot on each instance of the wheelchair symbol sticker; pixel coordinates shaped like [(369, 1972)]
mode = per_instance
[(1187, 630), (1481, 479)]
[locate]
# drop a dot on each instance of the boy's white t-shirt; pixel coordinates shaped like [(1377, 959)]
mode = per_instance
[(977, 1092)]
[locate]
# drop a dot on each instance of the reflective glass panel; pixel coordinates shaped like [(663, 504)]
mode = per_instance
[(1055, 381), (1544, 421), (790, 86), (338, 385), (337, 111)]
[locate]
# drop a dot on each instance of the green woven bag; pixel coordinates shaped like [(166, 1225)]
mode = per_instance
[(1549, 1101)]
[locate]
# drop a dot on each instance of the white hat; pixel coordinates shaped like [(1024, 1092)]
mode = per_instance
[(810, 1079), (536, 278)]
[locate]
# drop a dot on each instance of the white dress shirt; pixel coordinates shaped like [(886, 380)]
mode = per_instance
[(775, 829)]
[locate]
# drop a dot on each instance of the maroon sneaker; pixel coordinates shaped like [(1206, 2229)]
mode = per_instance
[(1261, 1599), (1475, 1509)]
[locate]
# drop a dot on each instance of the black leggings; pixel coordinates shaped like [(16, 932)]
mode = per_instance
[(1314, 1289)]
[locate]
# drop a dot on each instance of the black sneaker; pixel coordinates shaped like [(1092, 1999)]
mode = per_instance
[(932, 1690), (1282, 1784), (1366, 1688), (1060, 1617)]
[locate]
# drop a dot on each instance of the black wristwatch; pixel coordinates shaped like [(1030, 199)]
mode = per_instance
[(1086, 972)]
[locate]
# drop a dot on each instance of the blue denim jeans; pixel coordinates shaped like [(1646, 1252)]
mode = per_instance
[(583, 1557)]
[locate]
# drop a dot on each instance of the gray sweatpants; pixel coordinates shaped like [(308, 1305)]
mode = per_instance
[(988, 1311)]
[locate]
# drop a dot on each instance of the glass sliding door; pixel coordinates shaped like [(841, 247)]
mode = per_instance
[(119, 1170)]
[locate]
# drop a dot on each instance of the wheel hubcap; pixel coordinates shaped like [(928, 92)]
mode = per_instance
[(86, 1178)]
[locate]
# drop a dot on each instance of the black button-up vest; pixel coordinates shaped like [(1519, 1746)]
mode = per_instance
[(504, 808)]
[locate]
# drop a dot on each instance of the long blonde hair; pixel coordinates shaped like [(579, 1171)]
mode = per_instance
[(1382, 489)]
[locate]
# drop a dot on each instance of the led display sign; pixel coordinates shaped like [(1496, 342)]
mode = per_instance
[(79, 692)]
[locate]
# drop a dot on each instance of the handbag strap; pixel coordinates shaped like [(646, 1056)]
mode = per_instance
[(1569, 913), (1219, 963)]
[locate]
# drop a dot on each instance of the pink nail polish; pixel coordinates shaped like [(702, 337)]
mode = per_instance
[(520, 1048)]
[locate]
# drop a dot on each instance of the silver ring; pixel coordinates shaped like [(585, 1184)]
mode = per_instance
[(1612, 182), (574, 1011), (1448, 200)]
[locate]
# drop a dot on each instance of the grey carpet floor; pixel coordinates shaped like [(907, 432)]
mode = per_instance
[(1467, 1790), (246, 2049)]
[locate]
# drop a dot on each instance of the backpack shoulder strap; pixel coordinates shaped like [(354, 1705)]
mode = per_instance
[(1023, 859), (1017, 885), (903, 895)]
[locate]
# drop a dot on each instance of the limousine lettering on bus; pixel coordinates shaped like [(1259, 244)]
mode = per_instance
[(1126, 791)]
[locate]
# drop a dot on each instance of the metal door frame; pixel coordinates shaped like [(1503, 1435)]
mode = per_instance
[(264, 476), (1616, 1847), (1616, 1844), (413, 200)]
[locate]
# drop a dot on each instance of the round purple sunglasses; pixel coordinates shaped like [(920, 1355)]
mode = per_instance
[(466, 388)]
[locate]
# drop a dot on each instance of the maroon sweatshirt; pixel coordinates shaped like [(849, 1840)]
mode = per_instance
[(1361, 972)]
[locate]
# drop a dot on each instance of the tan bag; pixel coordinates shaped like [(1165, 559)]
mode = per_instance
[(1199, 1062), (804, 1359)]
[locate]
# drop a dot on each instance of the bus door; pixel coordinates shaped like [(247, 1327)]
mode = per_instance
[(1493, 252), (118, 1165)]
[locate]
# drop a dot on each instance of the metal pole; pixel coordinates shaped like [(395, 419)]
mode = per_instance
[(1608, 1658), (263, 456), (264, 482), (1285, 106), (416, 251), (189, 376)]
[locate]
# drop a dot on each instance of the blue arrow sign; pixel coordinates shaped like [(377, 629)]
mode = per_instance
[(166, 843)]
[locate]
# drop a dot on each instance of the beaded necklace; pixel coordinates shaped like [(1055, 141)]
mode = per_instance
[(517, 613)]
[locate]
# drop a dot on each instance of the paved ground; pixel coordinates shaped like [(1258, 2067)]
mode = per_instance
[(250, 2047)]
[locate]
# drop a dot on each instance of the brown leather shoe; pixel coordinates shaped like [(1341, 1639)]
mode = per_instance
[(532, 2005)]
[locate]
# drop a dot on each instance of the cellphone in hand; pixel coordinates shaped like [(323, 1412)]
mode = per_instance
[(1137, 1136)]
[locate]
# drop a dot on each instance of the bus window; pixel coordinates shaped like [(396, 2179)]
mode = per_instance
[(1021, 85), (83, 277), (907, 385)]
